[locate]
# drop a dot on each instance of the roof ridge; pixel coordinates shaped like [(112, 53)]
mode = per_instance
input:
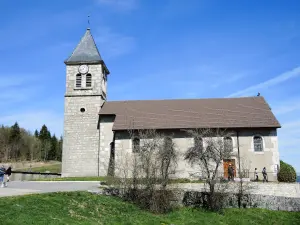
[(187, 99)]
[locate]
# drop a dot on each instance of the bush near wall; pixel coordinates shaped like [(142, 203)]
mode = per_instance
[(286, 173)]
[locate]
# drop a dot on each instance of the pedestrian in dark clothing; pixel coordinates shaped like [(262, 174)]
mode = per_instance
[(2, 173), (264, 172), (256, 174), (8, 173)]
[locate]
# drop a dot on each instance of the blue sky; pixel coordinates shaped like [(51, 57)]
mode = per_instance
[(157, 49)]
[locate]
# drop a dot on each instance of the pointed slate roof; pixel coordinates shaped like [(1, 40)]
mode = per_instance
[(86, 51)]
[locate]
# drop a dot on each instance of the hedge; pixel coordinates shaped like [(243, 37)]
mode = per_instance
[(286, 173)]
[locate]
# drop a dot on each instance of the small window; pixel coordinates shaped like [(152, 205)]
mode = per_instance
[(258, 144), (88, 80), (78, 80), (228, 145), (136, 145), (198, 142), (168, 142)]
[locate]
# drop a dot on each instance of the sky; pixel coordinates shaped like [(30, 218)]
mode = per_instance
[(159, 49)]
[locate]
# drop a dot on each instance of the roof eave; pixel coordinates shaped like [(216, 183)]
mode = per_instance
[(124, 129)]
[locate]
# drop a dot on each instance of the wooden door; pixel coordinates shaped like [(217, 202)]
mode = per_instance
[(226, 163)]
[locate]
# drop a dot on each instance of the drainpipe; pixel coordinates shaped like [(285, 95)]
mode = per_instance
[(99, 148), (239, 158), (99, 124)]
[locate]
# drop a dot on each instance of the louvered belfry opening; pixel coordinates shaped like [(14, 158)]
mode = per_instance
[(78, 80), (88, 80)]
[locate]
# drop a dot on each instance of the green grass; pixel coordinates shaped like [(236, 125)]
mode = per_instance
[(73, 179), (85, 208), (55, 168), (172, 181)]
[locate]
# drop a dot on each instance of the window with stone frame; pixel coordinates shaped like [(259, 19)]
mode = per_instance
[(198, 142), (136, 145), (258, 144), (228, 143), (78, 80), (88, 80), (168, 143)]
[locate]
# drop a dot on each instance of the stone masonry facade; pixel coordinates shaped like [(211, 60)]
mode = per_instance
[(250, 159), (81, 135)]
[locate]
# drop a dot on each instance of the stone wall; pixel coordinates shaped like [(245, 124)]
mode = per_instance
[(258, 188), (272, 196), (250, 159), (270, 202), (106, 139), (81, 135)]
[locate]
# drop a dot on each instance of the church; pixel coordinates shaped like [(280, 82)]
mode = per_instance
[(94, 128)]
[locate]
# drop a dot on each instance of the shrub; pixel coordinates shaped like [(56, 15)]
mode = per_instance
[(286, 173)]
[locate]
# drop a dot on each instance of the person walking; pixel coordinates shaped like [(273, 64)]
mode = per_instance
[(255, 174), (264, 172), (2, 173), (8, 173)]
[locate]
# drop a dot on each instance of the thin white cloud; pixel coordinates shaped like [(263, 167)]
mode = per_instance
[(120, 5), (272, 82), (287, 107)]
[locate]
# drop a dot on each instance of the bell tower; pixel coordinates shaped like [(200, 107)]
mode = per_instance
[(86, 81)]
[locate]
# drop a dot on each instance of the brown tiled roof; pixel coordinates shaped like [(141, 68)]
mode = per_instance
[(246, 112)]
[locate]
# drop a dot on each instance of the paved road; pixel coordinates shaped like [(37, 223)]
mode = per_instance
[(29, 187)]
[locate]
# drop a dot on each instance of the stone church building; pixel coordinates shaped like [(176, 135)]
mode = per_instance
[(94, 128)]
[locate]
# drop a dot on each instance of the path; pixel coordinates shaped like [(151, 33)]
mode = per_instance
[(30, 187)]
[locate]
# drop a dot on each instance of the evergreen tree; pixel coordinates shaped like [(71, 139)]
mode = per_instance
[(59, 149), (15, 141), (53, 150), (45, 138), (36, 133), (15, 133), (44, 133)]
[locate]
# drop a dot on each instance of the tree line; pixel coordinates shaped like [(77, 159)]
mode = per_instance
[(18, 144)]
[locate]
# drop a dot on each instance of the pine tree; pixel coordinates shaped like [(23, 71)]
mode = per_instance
[(53, 150), (15, 141), (59, 149), (15, 133), (45, 138), (36, 133)]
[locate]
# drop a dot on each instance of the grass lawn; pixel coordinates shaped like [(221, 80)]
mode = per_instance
[(73, 179), (85, 208), (55, 168), (172, 181)]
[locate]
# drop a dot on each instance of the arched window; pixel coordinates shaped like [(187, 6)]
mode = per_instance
[(198, 142), (136, 145), (168, 142), (228, 145), (258, 144), (88, 81), (78, 80)]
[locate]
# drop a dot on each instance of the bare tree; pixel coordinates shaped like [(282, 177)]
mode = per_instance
[(144, 173), (209, 153), (244, 186)]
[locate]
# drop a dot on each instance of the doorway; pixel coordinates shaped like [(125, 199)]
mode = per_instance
[(226, 163)]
